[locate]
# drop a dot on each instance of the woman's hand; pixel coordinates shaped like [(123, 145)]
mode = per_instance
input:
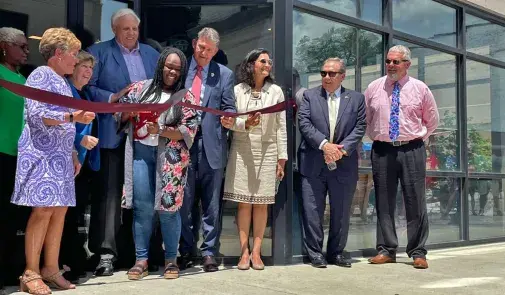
[(153, 128), (77, 164), (89, 142), (253, 120), (280, 168), (83, 117), (227, 122)]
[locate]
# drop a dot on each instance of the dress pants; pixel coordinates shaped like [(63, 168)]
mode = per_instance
[(406, 163), (314, 191), (106, 203), (203, 183), (72, 252)]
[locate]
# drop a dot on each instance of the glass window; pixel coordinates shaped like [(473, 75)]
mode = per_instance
[(372, 59), (438, 71), (484, 37), (485, 110), (486, 208), (97, 17), (369, 10), (443, 203), (426, 19), (242, 28), (33, 17)]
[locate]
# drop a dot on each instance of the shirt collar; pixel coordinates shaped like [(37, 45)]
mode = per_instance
[(402, 81), (125, 50), (193, 64), (337, 92)]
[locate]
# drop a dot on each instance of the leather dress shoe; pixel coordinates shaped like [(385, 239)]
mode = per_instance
[(420, 263), (104, 268), (318, 262), (382, 258), (210, 264), (341, 261)]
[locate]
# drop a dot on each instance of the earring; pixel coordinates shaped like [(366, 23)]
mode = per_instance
[(4, 53)]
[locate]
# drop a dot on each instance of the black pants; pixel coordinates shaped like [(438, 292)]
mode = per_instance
[(72, 252), (106, 203), (314, 191), (406, 163), (7, 214)]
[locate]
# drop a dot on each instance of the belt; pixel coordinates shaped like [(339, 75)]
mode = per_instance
[(400, 142)]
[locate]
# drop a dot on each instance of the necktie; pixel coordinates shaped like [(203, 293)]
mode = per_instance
[(394, 118), (196, 87), (332, 112)]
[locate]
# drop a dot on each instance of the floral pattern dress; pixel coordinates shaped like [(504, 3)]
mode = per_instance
[(173, 156)]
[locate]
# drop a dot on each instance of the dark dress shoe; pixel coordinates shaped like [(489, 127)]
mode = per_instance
[(73, 276), (210, 264), (185, 261), (341, 261), (104, 268), (318, 262)]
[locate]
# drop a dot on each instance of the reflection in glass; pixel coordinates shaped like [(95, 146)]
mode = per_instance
[(486, 113), (443, 203), (97, 18), (438, 71), (484, 37), (426, 19), (372, 59), (486, 208), (316, 39), (369, 10)]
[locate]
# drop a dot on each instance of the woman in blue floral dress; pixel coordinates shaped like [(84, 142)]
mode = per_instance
[(157, 159), (46, 164)]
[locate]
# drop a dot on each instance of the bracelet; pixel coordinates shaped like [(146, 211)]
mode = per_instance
[(70, 117), (161, 129)]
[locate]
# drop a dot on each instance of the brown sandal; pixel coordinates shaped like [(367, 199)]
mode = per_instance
[(52, 281), (171, 271), (137, 272), (30, 276)]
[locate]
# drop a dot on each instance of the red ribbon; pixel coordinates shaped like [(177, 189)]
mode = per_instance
[(103, 107)]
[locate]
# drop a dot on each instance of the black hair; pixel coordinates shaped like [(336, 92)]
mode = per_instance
[(245, 73), (157, 85)]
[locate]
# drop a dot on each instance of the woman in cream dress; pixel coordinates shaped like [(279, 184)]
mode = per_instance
[(258, 153)]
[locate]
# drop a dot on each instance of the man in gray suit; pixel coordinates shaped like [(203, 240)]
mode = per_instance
[(332, 123)]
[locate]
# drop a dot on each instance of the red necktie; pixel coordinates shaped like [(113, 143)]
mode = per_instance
[(196, 88)]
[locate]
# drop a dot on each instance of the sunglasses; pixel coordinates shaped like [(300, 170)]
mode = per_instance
[(331, 74), (266, 61), (395, 61)]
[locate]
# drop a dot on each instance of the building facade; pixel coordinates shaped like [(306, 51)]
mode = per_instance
[(458, 50)]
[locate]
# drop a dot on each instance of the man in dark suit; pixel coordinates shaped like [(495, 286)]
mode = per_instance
[(120, 62), (332, 123), (212, 84)]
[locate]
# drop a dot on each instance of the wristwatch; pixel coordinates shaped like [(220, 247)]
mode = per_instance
[(71, 117), (161, 129)]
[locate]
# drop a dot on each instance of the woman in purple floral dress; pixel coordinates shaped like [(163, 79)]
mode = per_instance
[(157, 159), (46, 164)]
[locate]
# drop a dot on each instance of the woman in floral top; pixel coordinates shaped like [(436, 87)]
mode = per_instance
[(157, 159)]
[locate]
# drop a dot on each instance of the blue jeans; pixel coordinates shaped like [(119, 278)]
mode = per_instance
[(144, 189)]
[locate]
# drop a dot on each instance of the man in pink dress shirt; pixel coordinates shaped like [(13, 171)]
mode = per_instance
[(401, 114)]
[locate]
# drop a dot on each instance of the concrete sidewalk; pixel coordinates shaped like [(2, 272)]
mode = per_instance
[(470, 270)]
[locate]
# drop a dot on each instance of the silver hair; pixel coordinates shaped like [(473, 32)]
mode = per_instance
[(123, 12), (10, 34), (337, 60), (211, 34), (401, 49)]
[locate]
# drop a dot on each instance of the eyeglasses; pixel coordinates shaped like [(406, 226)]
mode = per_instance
[(265, 61), (331, 74), (395, 61)]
